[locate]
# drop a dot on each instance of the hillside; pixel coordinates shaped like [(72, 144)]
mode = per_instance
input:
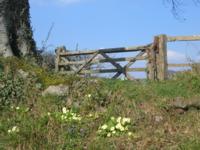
[(96, 114)]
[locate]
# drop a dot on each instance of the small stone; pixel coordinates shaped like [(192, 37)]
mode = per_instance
[(59, 90), (180, 111), (158, 118)]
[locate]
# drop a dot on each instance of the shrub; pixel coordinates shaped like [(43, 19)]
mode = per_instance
[(48, 60), (88, 94), (11, 89)]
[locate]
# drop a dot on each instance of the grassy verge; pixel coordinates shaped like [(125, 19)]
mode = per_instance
[(83, 118)]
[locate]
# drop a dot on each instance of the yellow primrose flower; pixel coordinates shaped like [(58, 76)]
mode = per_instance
[(89, 95), (76, 118), (112, 118), (112, 128), (99, 131), (15, 129), (17, 108), (119, 119), (113, 132), (104, 127), (130, 133), (64, 110), (126, 120), (9, 131), (126, 128), (90, 115), (109, 135), (120, 127)]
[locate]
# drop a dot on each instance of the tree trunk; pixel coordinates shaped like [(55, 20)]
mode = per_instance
[(16, 37)]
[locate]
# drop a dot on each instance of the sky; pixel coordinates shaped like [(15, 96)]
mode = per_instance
[(94, 24)]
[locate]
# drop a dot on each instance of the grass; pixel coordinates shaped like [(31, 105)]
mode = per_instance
[(153, 124)]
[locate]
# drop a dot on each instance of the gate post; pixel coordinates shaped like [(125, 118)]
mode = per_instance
[(151, 65), (57, 59), (161, 57)]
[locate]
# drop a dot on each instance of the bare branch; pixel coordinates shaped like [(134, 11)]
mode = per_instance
[(44, 43), (176, 6)]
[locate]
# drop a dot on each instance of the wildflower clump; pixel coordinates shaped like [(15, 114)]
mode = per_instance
[(19, 109), (67, 115), (115, 127), (14, 129)]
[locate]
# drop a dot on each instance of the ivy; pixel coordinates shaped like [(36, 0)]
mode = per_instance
[(11, 89)]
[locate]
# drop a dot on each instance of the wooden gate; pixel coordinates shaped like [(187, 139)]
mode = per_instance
[(155, 54)]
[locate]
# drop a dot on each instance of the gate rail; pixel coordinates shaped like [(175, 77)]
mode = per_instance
[(155, 54)]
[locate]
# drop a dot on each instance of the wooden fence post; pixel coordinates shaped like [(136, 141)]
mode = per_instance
[(161, 58), (57, 59), (151, 64)]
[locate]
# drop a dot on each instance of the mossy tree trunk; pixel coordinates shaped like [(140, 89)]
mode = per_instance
[(16, 37)]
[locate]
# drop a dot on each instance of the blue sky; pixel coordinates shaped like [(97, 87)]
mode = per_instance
[(113, 23)]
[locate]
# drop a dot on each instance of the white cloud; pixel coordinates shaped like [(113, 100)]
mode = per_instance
[(176, 56), (53, 2)]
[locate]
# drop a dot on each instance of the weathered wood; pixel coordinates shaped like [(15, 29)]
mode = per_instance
[(106, 71), (131, 62), (118, 66), (111, 61), (183, 38), (128, 76), (86, 63), (66, 60), (152, 53), (57, 64), (156, 54), (134, 59), (57, 59), (116, 75), (180, 65), (161, 59), (96, 61), (108, 50), (119, 69), (151, 64)]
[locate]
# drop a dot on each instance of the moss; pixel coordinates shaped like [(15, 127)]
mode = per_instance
[(45, 77)]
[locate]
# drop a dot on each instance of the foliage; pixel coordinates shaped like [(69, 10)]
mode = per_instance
[(12, 89), (45, 77), (48, 60), (88, 94), (115, 127), (66, 115), (83, 119)]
